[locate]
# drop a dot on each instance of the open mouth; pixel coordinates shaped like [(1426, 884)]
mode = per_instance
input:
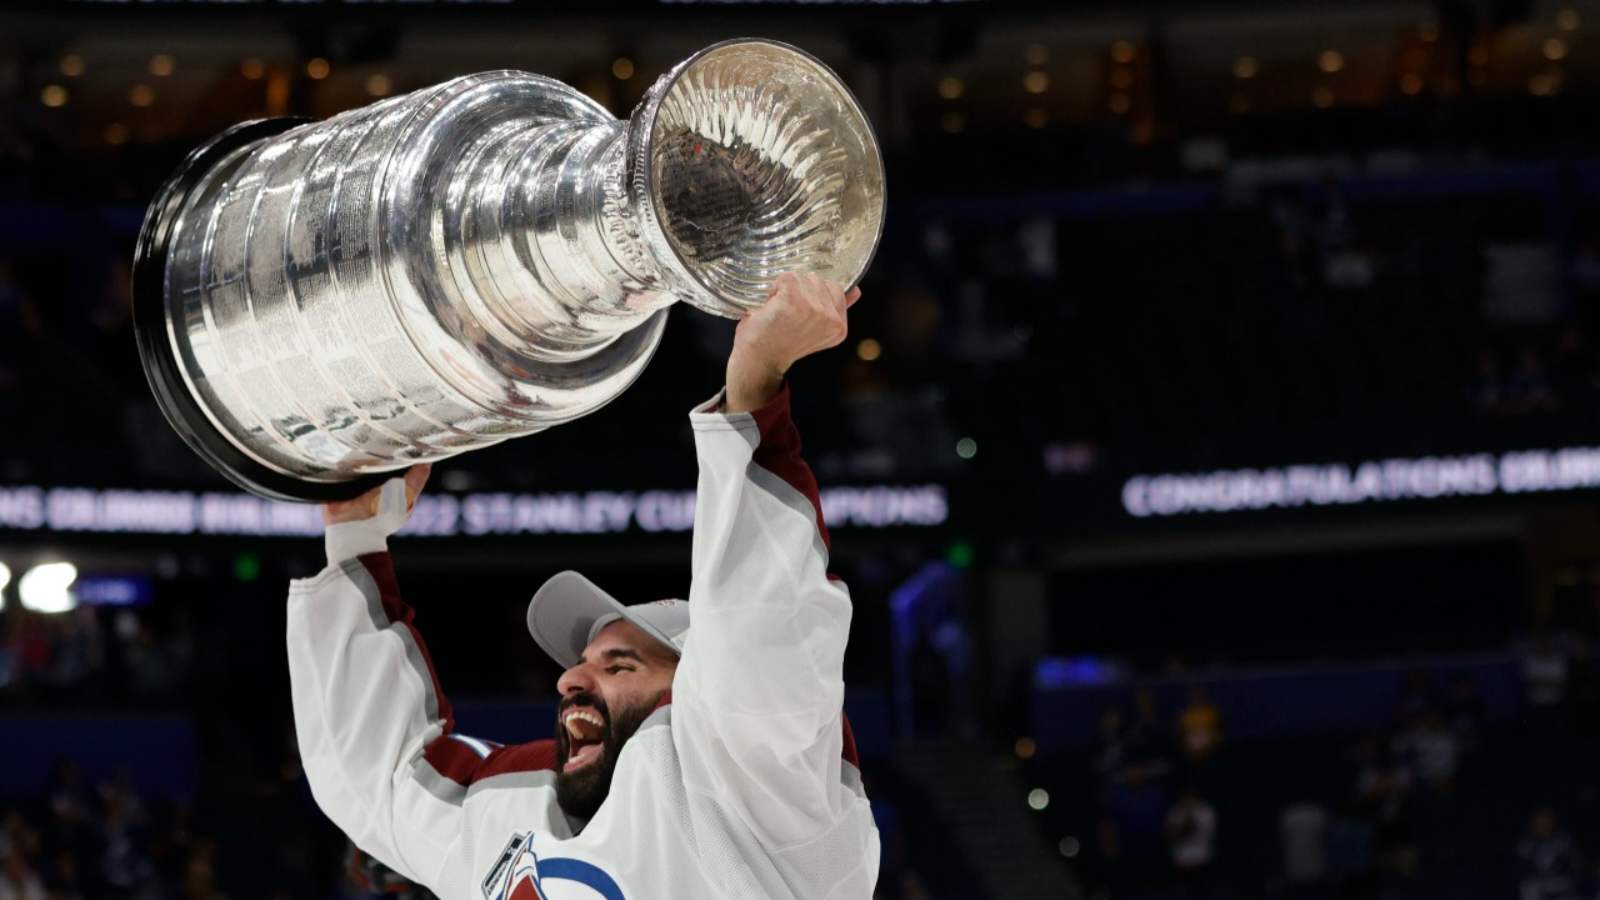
[(585, 737)]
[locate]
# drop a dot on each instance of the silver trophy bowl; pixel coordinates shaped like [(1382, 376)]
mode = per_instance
[(319, 304)]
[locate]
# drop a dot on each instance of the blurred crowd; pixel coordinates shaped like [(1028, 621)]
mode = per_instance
[(1436, 802), (77, 841), (105, 656)]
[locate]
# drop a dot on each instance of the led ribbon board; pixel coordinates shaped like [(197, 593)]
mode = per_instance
[(1374, 481), (67, 509)]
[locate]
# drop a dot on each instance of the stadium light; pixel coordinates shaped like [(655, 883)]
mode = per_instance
[(47, 588)]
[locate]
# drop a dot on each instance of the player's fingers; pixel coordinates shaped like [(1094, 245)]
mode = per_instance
[(416, 477), (829, 294), (851, 296), (795, 280), (842, 330), (813, 285)]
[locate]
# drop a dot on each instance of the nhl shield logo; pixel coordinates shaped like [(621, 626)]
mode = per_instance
[(519, 874)]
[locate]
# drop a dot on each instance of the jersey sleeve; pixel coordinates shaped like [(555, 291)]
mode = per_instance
[(377, 737), (759, 692)]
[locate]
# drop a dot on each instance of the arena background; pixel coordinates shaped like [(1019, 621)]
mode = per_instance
[(1213, 457)]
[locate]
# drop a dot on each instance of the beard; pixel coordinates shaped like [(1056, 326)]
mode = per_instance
[(580, 793)]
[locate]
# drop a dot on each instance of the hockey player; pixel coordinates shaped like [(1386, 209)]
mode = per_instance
[(687, 762)]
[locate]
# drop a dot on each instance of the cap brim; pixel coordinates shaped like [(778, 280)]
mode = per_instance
[(563, 612), (567, 610)]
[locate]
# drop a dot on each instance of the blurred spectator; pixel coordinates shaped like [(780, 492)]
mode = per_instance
[(1548, 864), (30, 639), (1383, 791), (200, 878), (1433, 748), (18, 844), (949, 639), (18, 881), (1148, 745), (1199, 725), (78, 649), (1110, 748), (1303, 829), (125, 865), (1133, 834), (1191, 834), (65, 877), (1545, 670), (69, 800)]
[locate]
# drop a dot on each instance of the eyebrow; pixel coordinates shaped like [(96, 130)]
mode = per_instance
[(617, 653)]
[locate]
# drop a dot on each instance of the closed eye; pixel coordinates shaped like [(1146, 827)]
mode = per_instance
[(612, 670)]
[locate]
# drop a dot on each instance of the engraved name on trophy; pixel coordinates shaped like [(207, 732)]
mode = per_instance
[(318, 304)]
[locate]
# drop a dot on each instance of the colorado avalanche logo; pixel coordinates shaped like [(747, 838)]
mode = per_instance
[(520, 874)]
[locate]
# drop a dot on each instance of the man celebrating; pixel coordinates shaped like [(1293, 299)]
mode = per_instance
[(711, 761)]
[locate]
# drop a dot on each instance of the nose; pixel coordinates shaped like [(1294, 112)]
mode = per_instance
[(577, 679)]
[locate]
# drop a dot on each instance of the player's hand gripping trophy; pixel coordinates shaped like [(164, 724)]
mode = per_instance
[(319, 304)]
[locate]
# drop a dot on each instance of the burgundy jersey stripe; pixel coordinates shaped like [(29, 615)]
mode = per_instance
[(453, 759), (779, 453), (381, 567), (849, 753), (533, 756), (449, 757)]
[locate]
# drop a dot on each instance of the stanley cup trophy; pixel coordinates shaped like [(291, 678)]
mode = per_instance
[(318, 304)]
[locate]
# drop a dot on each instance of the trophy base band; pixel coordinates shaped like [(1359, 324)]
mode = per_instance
[(155, 348)]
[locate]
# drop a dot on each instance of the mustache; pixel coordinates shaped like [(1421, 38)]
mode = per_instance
[(583, 698)]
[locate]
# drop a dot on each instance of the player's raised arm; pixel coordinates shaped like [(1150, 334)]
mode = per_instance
[(373, 726), (759, 691)]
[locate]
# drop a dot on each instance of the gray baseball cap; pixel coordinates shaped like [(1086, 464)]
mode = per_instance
[(569, 610)]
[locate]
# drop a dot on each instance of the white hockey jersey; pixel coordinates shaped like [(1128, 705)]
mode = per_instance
[(742, 784)]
